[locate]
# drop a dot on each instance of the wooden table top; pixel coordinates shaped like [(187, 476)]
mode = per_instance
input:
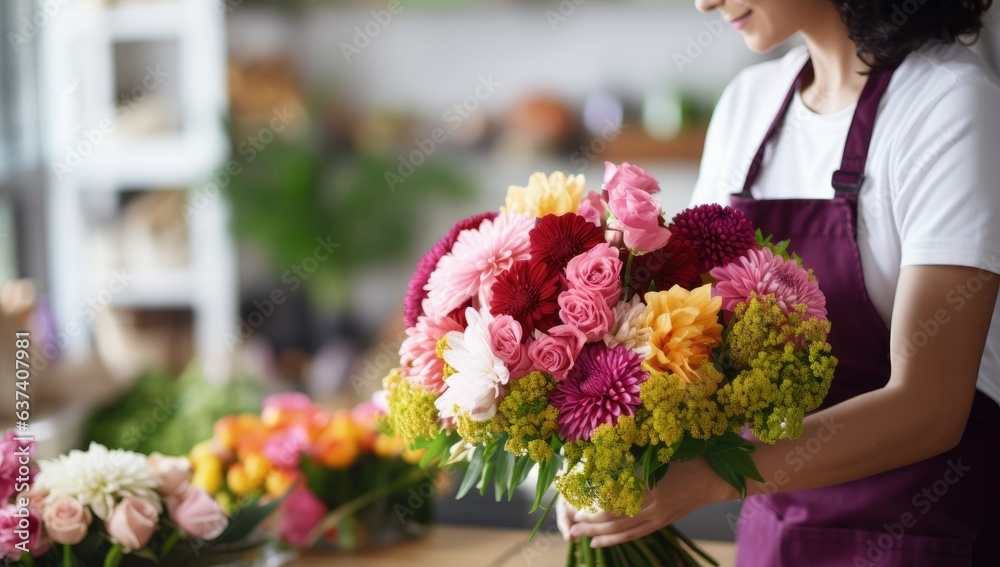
[(446, 546)]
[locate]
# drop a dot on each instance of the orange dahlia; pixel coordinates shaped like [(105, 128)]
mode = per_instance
[(685, 329)]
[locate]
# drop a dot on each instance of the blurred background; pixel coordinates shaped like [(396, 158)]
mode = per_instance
[(206, 201)]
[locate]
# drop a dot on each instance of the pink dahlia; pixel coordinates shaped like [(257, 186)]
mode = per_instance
[(556, 240), (602, 386), (416, 293), (718, 234), (763, 273), (474, 262), (418, 354)]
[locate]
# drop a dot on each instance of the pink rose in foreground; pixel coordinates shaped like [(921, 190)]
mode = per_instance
[(637, 215), (587, 311), (593, 208), (599, 270), (302, 513), (173, 474), (132, 522), (505, 341), (199, 515), (629, 175), (66, 521), (14, 531), (556, 351), (285, 448)]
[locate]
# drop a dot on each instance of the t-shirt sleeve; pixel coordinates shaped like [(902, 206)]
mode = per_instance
[(708, 188), (947, 206)]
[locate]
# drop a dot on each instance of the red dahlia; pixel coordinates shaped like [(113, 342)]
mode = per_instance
[(718, 234), (555, 240), (416, 293), (675, 263), (527, 292)]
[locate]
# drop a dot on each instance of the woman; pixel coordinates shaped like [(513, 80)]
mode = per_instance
[(880, 161)]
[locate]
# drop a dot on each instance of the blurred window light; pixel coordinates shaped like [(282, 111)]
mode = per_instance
[(18, 116)]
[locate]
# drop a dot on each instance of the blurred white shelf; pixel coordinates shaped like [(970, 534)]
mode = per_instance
[(145, 21), (166, 161), (152, 290)]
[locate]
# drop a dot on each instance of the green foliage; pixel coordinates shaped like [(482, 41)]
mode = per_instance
[(166, 414)]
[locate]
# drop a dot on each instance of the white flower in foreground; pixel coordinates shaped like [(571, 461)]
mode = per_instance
[(475, 387), (98, 478), (629, 329)]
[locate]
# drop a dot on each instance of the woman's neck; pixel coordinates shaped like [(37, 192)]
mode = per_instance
[(837, 70)]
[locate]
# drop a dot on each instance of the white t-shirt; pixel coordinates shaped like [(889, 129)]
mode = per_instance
[(932, 191)]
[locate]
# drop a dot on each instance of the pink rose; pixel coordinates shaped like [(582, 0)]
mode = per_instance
[(593, 208), (587, 311), (133, 522), (173, 474), (556, 351), (302, 514), (598, 270), (637, 215), (67, 521), (199, 515), (15, 530), (285, 448), (505, 341), (629, 175)]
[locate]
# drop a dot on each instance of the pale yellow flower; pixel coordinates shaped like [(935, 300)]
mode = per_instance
[(685, 329), (556, 194)]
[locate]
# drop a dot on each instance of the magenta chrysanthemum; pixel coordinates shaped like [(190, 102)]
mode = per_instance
[(418, 354), (416, 293), (477, 257), (602, 386), (718, 234), (763, 273)]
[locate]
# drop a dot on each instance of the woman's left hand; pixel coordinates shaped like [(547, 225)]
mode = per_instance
[(687, 486)]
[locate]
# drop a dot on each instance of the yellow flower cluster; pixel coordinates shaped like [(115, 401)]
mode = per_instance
[(412, 414), (556, 194), (784, 369), (442, 345), (602, 471), (685, 329), (528, 418), (672, 408)]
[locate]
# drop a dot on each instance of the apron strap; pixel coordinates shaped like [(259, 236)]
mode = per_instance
[(851, 175)]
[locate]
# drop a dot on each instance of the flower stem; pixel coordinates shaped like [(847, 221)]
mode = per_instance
[(628, 276)]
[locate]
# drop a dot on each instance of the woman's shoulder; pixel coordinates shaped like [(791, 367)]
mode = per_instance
[(938, 70)]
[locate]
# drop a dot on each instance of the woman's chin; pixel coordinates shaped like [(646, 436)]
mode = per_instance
[(759, 44)]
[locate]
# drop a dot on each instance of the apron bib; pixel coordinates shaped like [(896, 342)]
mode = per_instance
[(944, 511)]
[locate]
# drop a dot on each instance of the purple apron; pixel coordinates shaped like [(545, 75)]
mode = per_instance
[(944, 511)]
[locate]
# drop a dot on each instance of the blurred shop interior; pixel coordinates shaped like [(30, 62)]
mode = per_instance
[(205, 202)]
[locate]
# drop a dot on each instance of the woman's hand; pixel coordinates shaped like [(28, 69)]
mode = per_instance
[(687, 486)]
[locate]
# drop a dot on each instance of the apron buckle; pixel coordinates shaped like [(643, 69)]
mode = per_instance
[(847, 181)]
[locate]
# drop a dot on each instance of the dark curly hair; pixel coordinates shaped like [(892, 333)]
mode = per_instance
[(886, 31)]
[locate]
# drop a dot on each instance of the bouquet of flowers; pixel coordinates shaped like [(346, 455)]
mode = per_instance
[(589, 338), (345, 483), (104, 507)]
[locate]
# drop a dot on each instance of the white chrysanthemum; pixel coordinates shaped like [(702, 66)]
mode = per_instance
[(461, 452), (475, 386), (628, 329), (98, 478)]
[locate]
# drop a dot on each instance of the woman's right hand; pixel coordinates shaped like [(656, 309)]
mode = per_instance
[(564, 517)]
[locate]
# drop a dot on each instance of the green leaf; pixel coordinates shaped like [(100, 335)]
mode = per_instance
[(114, 556), (490, 460), (437, 446), (538, 524), (147, 554), (248, 518), (505, 468), (689, 448), (546, 474), (473, 473), (522, 466)]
